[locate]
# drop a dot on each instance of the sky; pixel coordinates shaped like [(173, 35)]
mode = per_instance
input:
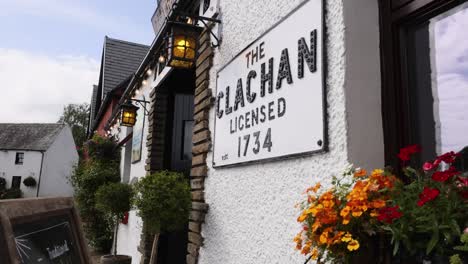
[(50, 51)]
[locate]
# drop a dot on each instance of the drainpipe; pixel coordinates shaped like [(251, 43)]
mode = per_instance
[(40, 175)]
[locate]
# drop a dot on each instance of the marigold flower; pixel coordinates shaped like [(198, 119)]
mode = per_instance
[(377, 172), (324, 238), (345, 211), (347, 237), (353, 245), (315, 253), (315, 188), (360, 173)]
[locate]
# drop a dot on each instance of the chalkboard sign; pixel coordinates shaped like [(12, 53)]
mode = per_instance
[(42, 231)]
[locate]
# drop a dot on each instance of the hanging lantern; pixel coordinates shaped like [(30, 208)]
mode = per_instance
[(182, 45), (129, 114)]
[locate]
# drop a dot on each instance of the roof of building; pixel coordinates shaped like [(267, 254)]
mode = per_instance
[(93, 105), (28, 136), (121, 59)]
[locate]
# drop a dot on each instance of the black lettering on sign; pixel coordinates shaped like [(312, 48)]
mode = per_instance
[(309, 55), (271, 115), (281, 107), (262, 50), (255, 117), (239, 95), (266, 77), (267, 143), (228, 107), (262, 112), (250, 95), (256, 149), (284, 70), (219, 111)]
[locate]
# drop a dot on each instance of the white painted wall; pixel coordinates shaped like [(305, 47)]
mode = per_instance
[(31, 167), (129, 235), (59, 161), (252, 218)]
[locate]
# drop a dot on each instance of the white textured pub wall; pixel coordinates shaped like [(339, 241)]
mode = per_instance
[(252, 218), (129, 234)]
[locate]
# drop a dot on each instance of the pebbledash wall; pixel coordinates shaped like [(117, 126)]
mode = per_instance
[(251, 216), (130, 235)]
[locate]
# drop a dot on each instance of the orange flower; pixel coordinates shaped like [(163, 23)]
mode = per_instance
[(360, 173), (345, 211), (324, 238), (353, 245), (315, 253), (347, 237)]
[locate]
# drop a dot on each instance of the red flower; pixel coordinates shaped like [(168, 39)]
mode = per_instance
[(125, 218), (427, 195), (406, 152), (388, 214), (463, 185), (429, 166), (442, 176), (448, 157)]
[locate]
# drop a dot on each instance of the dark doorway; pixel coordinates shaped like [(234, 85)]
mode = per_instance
[(16, 182), (180, 87)]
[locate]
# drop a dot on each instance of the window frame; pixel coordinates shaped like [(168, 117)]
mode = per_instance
[(19, 158), (396, 17)]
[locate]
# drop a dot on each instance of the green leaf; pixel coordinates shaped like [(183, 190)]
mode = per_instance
[(396, 246), (433, 242)]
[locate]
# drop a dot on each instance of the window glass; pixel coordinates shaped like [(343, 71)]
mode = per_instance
[(450, 34), (437, 61), (19, 158), (187, 146)]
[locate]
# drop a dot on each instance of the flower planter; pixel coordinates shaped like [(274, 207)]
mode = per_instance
[(116, 259)]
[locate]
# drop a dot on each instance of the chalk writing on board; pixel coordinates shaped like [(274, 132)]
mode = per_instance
[(47, 245)]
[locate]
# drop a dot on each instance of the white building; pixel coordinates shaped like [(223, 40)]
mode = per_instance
[(347, 94), (45, 152)]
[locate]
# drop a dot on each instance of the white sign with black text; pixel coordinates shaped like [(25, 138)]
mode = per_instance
[(270, 97)]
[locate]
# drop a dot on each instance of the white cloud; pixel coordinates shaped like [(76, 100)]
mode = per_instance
[(34, 88), (451, 47), (77, 12)]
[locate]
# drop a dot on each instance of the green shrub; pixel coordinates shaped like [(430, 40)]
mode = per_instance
[(163, 201), (11, 194), (102, 148), (30, 182), (114, 200), (88, 176), (2, 184)]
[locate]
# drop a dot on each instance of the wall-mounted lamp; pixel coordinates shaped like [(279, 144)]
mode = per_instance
[(129, 112), (181, 45), (182, 40)]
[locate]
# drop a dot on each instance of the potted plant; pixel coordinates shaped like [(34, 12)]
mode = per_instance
[(433, 205), (422, 218), (114, 199), (30, 182), (338, 224), (163, 202), (2, 184)]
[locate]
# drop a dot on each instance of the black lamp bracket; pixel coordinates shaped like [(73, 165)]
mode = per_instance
[(204, 21), (142, 103)]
